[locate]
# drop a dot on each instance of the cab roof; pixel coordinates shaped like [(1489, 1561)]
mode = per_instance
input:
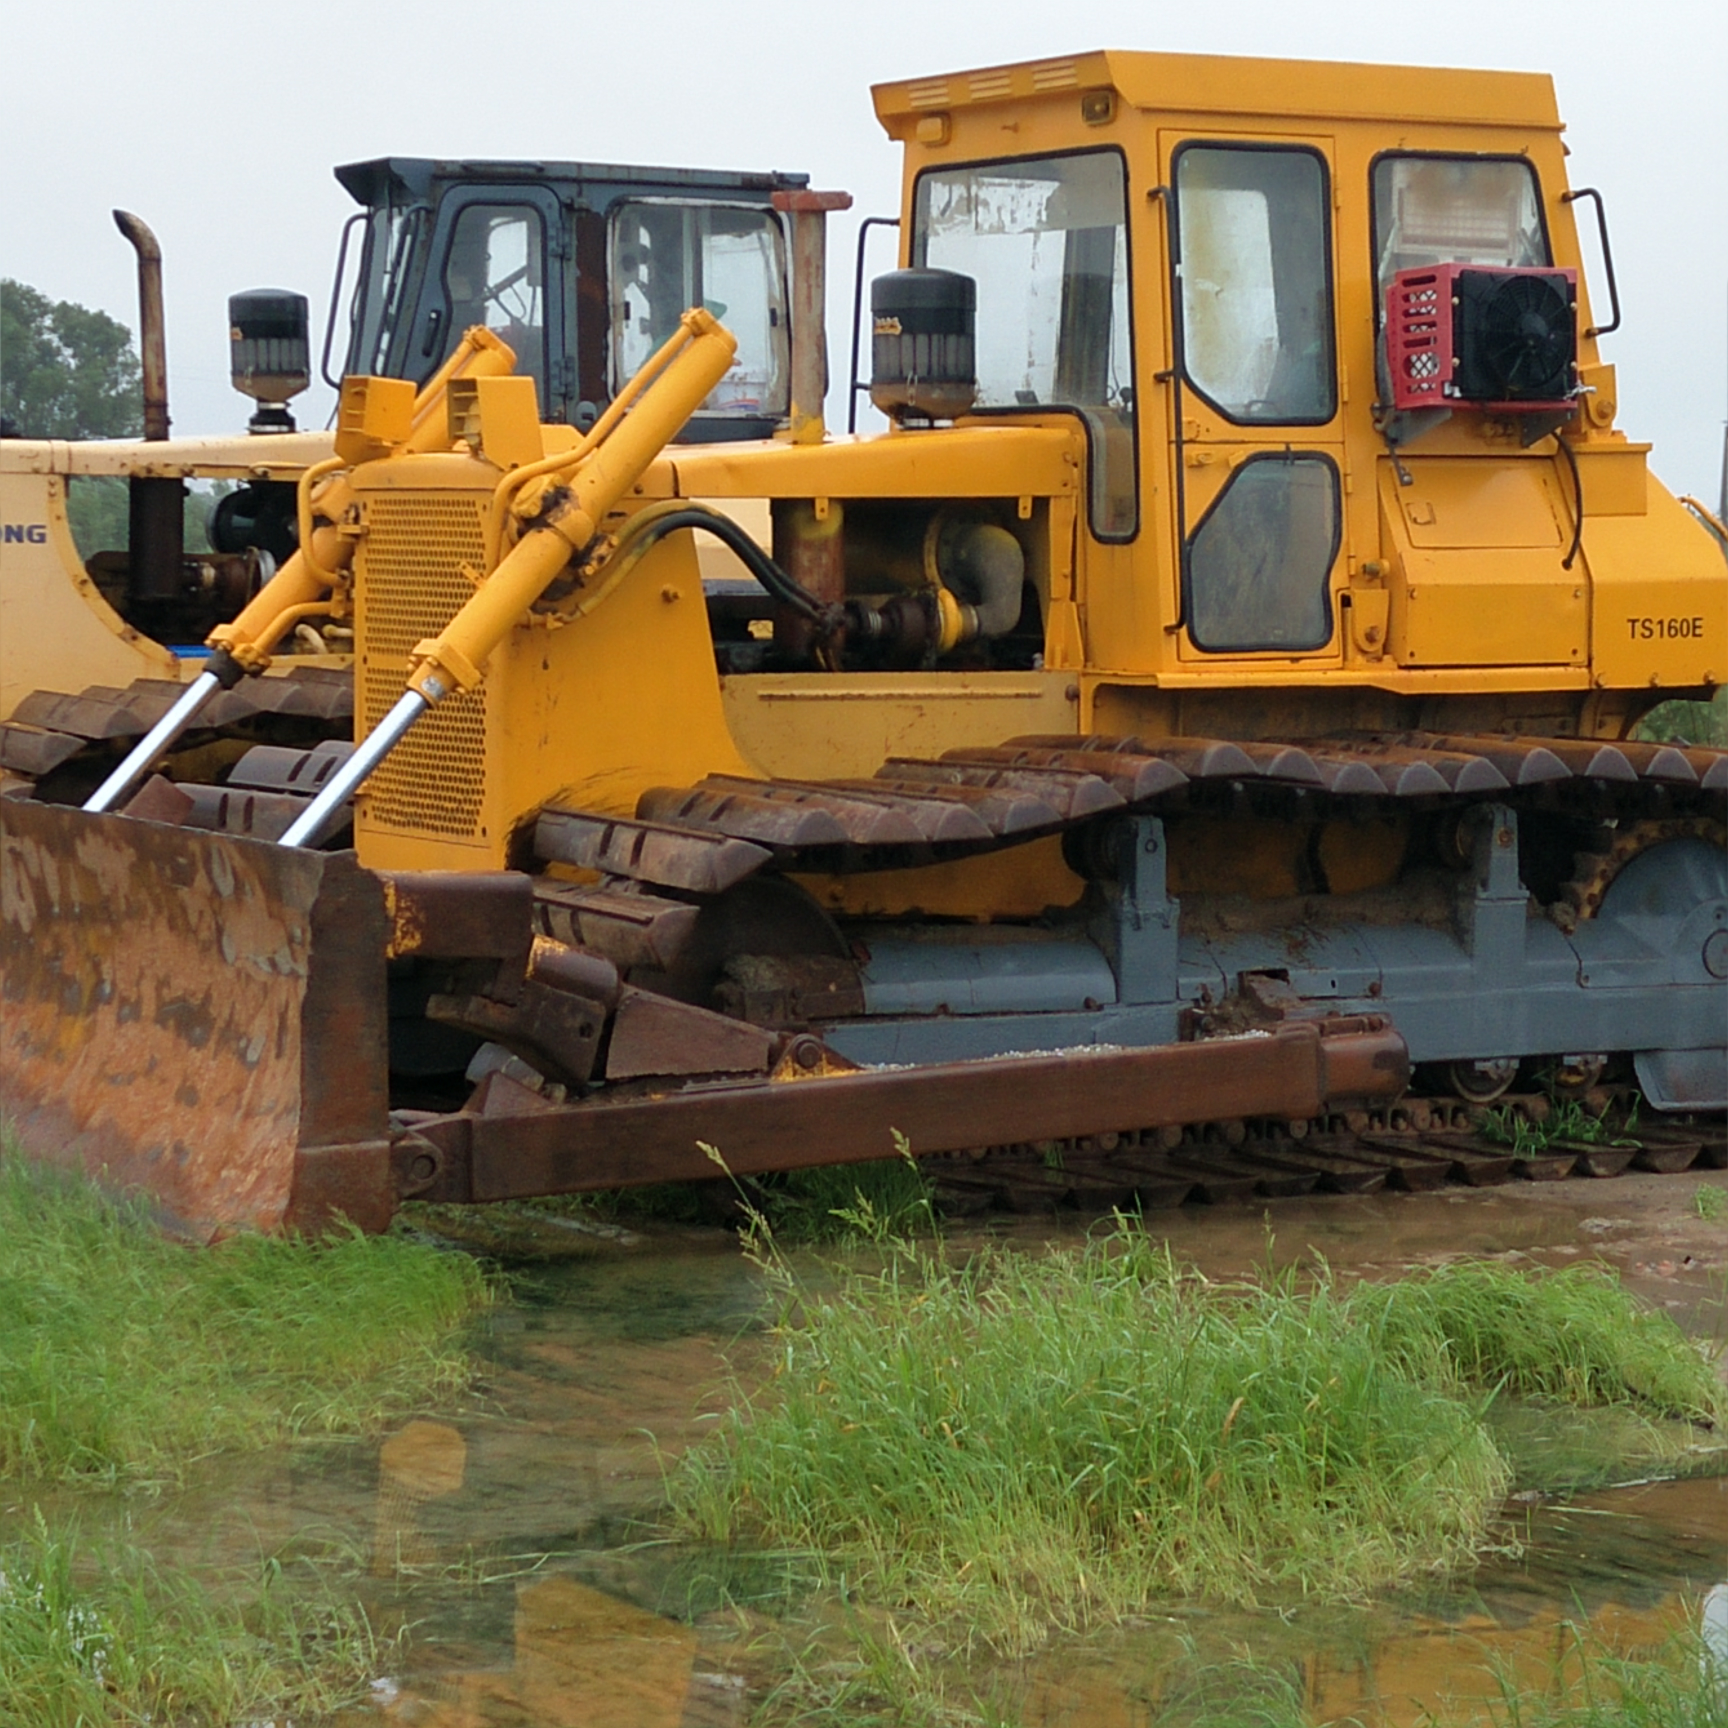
[(1306, 90)]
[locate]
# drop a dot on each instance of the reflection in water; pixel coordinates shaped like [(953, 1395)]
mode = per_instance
[(599, 1374), (1623, 1573), (582, 1659), (423, 1461)]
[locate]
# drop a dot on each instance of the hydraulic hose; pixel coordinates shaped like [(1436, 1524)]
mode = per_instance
[(648, 527), (297, 591)]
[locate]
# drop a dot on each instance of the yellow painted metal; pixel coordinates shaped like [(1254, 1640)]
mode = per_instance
[(1024, 882), (498, 418), (570, 502), (1460, 583), (846, 724), (398, 420), (1477, 556), (56, 630)]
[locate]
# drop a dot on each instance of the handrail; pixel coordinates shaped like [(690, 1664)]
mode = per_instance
[(1613, 323)]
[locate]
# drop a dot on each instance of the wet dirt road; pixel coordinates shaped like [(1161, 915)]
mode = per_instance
[(515, 1538)]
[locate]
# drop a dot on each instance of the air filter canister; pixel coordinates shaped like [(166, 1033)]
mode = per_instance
[(924, 348)]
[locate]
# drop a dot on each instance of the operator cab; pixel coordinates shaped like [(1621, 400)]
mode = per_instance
[(583, 269)]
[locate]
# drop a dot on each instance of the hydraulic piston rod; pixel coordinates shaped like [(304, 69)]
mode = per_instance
[(300, 588), (153, 743), (566, 509)]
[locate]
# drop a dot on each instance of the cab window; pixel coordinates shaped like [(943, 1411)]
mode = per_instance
[(495, 275), (1255, 288), (1455, 210), (669, 256), (1046, 241)]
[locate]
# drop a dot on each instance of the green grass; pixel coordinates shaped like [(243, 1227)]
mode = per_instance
[(1575, 1335), (1687, 722), (125, 1356), (1684, 1685), (848, 1202), (1569, 1122), (1709, 1203), (106, 1638), (1023, 1443)]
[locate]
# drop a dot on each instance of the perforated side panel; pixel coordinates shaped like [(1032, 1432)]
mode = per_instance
[(410, 586)]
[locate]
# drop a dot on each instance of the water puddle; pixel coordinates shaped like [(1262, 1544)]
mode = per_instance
[(513, 1543)]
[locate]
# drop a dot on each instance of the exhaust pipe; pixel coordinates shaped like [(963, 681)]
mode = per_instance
[(156, 512), (152, 336), (809, 213)]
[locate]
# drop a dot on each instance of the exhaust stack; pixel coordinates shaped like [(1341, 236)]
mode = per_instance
[(155, 517)]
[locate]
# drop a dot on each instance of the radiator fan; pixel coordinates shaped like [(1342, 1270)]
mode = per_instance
[(1516, 336)]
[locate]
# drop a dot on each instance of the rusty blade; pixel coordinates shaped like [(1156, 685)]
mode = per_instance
[(1071, 793), (196, 1016), (742, 816), (646, 851), (1133, 778), (866, 821), (846, 1118)]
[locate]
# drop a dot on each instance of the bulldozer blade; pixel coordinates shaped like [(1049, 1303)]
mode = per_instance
[(195, 1016)]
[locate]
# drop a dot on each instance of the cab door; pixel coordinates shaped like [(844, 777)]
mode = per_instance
[(1258, 445), (496, 258)]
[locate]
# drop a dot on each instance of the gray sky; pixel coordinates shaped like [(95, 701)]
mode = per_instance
[(220, 123)]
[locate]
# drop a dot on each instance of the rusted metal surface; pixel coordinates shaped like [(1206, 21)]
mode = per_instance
[(194, 1015), (850, 1117), (655, 1036), (461, 915), (33, 752), (630, 929), (1133, 778), (808, 211), (232, 810), (272, 768), (159, 800), (744, 815), (555, 1032), (646, 851), (865, 820), (937, 821), (89, 716), (791, 989), (152, 324), (1002, 811), (1071, 793)]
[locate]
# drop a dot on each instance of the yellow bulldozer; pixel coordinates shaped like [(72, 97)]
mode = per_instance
[(1209, 702)]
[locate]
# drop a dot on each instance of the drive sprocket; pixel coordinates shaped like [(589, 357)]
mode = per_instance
[(1581, 895)]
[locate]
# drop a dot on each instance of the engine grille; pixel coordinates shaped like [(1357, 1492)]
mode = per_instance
[(411, 585)]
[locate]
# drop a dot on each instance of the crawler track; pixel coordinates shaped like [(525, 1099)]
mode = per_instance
[(1415, 1146)]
